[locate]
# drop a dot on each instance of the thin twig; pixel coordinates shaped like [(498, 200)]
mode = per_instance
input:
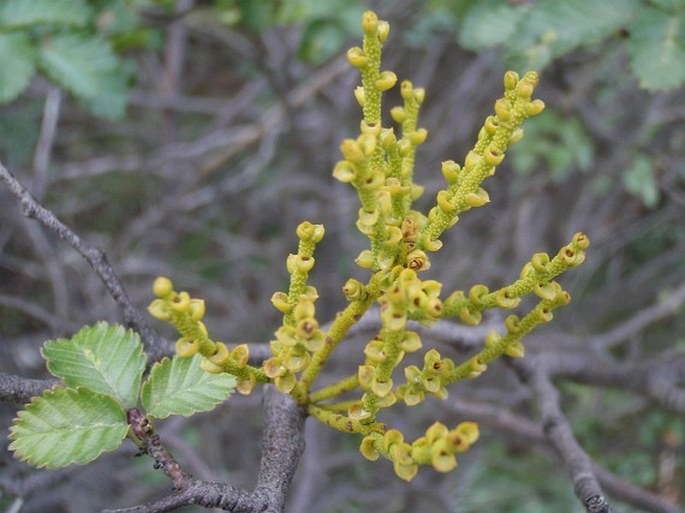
[(155, 346), (282, 446)]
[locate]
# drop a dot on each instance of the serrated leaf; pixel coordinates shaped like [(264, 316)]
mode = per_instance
[(552, 28), (105, 358), (639, 180), (25, 13), (78, 63), (112, 99), (65, 426), (180, 387), (657, 49), (490, 23), (17, 65)]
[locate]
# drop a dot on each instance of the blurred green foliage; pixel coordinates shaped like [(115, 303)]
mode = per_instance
[(533, 34)]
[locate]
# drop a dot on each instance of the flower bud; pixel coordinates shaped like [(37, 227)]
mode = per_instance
[(478, 198), (477, 292), (441, 458), (273, 367), (398, 114), (512, 324), (162, 287), (511, 78), (471, 160), (240, 354), (159, 309), (418, 260), (246, 385), (357, 412), (197, 309), (581, 241), (360, 96), (383, 30), (534, 108), (503, 300), (310, 232), (221, 355), (386, 80), (351, 150), (418, 136), (516, 136), (450, 170), (539, 261), (187, 347), (369, 22), (492, 156), (367, 448), (491, 125), (181, 302), (356, 57), (503, 109), (365, 259), (411, 342), (354, 290), (286, 382), (381, 388), (515, 349), (345, 171), (280, 301), (209, 366), (492, 338), (301, 263)]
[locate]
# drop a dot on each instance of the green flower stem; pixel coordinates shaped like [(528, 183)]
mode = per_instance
[(392, 340), (343, 423), (568, 257), (245, 372), (538, 315), (342, 406), (335, 389), (336, 333)]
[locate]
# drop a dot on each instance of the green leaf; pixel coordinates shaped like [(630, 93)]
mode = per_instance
[(552, 28), (490, 23), (180, 387), (657, 49), (17, 58), (25, 13), (65, 426), (112, 100), (105, 358), (80, 64), (639, 181)]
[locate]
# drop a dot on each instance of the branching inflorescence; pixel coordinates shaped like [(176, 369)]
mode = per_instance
[(379, 164)]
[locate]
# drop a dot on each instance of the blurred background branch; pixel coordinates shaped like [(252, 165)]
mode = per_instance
[(200, 133)]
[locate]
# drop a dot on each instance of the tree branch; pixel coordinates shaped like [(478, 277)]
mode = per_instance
[(96, 258), (17, 390), (282, 446), (558, 431)]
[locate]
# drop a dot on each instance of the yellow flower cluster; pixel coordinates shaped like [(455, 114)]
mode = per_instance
[(379, 164), (436, 448), (185, 314)]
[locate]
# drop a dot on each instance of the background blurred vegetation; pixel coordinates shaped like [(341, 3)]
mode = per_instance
[(189, 138)]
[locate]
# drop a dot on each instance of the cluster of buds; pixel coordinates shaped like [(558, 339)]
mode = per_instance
[(432, 378), (406, 296), (500, 131), (380, 164), (437, 448), (293, 345), (185, 314), (536, 277)]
